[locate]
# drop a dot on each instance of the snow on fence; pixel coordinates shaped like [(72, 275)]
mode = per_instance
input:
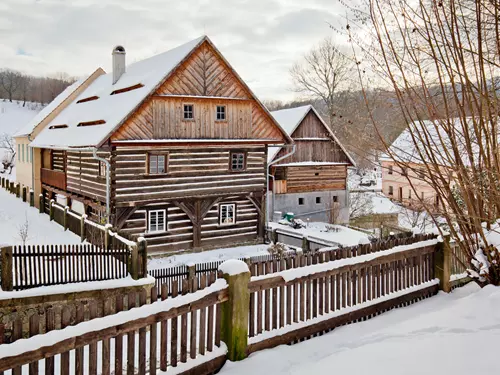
[(298, 303), (175, 334), (266, 264), (30, 266)]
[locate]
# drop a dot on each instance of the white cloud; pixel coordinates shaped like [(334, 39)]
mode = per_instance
[(261, 38)]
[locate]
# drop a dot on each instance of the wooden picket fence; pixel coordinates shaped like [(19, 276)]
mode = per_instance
[(265, 264), (31, 266), (294, 304), (159, 341)]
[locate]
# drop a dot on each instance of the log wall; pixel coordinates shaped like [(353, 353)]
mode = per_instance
[(304, 179), (192, 172), (82, 173)]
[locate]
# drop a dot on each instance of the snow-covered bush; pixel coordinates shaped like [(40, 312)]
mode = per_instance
[(277, 250)]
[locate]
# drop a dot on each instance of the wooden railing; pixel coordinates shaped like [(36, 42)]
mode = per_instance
[(144, 339), (54, 178), (318, 298)]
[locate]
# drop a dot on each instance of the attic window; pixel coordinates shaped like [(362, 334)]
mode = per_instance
[(89, 99), (130, 88), (91, 123), (62, 126)]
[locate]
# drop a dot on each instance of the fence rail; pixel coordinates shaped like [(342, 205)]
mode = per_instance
[(44, 265), (174, 332), (265, 264)]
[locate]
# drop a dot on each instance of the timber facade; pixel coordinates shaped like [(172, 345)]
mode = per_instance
[(187, 165), (312, 182)]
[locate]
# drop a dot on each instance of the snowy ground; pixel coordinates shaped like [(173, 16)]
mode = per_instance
[(447, 334), (344, 236), (14, 213), (208, 256)]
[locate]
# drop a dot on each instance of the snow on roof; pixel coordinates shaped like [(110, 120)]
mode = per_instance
[(112, 109), (405, 150), (309, 164), (290, 118), (48, 109)]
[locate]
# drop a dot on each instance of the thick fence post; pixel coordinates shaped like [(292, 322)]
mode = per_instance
[(275, 235), (65, 218), (18, 190), (12, 189), (24, 194), (305, 244), (107, 236), (442, 264), (133, 262), (191, 274), (51, 209), (32, 198), (82, 227), (6, 259), (41, 207), (234, 326), (3, 182), (142, 250)]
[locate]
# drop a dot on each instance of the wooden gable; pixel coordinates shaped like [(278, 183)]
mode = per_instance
[(205, 80), (314, 143), (204, 73)]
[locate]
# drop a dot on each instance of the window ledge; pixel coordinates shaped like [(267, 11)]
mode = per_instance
[(154, 175), (157, 233)]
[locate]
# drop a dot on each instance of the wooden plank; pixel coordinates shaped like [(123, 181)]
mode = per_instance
[(34, 329), (131, 338), (163, 333), (193, 323), (142, 338), (119, 340), (50, 325), (203, 320), (174, 329), (106, 343), (79, 365), (184, 322), (93, 346)]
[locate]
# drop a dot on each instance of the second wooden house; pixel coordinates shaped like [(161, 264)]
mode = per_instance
[(172, 148), (312, 182)]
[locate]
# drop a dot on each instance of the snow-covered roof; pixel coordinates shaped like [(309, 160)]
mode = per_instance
[(111, 110), (289, 120), (406, 150), (49, 108)]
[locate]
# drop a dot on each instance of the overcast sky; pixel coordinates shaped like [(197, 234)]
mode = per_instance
[(260, 38)]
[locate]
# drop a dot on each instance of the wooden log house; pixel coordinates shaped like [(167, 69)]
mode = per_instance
[(186, 141), (311, 183)]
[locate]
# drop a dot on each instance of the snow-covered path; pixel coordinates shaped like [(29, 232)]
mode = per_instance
[(14, 213), (447, 334)]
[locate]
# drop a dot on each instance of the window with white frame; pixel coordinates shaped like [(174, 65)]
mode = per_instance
[(188, 111), (102, 168), (157, 163), (238, 161), (227, 214), (157, 221), (220, 113)]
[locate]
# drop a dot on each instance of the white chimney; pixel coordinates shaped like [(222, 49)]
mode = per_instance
[(118, 63)]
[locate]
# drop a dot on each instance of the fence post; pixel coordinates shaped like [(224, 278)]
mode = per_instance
[(191, 274), (51, 209), (305, 244), (82, 227), (41, 206), (6, 259), (234, 326), (275, 235), (24, 194), (142, 250), (18, 190), (32, 198), (3, 182), (65, 218), (12, 190), (442, 264), (107, 236), (133, 264)]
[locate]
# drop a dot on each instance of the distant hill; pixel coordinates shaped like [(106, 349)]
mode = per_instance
[(13, 115)]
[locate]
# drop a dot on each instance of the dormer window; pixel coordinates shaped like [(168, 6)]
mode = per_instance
[(89, 99), (91, 123), (126, 89), (220, 113), (188, 111)]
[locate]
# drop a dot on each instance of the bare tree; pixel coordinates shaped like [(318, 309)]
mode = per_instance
[(442, 58), (10, 80), (23, 230), (25, 88), (360, 204), (8, 143), (322, 73)]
